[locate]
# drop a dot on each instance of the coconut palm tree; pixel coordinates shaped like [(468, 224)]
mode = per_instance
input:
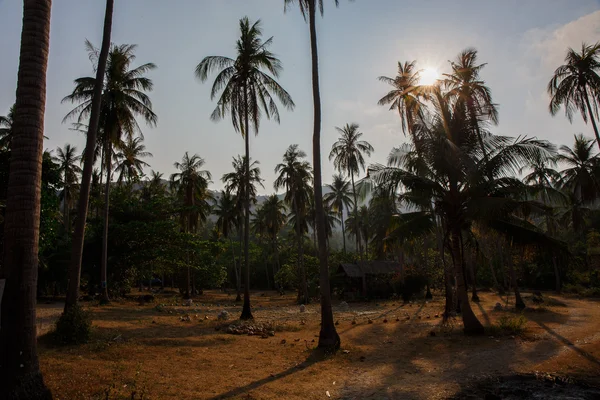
[(6, 123), (339, 198), (295, 176), (20, 376), (466, 87), (123, 99), (460, 193), (191, 186), (581, 175), (247, 93), (576, 85), (329, 340), (68, 161), (347, 155), (130, 165), (405, 97)]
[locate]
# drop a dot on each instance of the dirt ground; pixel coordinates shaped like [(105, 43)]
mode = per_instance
[(139, 352)]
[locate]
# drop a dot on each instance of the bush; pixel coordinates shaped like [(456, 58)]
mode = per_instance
[(511, 325), (73, 327)]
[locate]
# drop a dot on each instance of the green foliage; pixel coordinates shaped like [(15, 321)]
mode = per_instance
[(73, 327)]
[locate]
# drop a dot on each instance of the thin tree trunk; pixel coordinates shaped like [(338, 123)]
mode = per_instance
[(20, 376), (472, 326), (88, 165), (519, 303), (303, 289), (343, 230), (246, 309), (329, 340), (589, 107), (234, 264), (66, 208), (104, 256), (238, 271), (357, 234), (556, 274)]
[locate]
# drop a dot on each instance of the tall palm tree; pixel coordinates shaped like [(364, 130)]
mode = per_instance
[(20, 376), (467, 88), (130, 165), (88, 163), (191, 186), (246, 94), (68, 161), (295, 176), (576, 85), (339, 198), (123, 99), (405, 95), (6, 123), (347, 155), (329, 340)]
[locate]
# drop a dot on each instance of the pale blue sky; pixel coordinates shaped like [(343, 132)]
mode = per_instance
[(521, 40)]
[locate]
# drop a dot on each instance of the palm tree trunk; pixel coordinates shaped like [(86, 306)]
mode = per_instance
[(329, 340), (343, 231), (472, 326), (238, 271), (303, 288), (104, 256), (20, 376), (88, 165), (519, 303), (589, 107), (246, 310), (356, 229), (66, 209)]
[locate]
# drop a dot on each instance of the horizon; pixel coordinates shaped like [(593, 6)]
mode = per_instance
[(521, 42)]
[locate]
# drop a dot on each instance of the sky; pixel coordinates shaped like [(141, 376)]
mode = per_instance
[(522, 42)]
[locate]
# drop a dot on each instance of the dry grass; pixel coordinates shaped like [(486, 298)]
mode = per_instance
[(153, 354)]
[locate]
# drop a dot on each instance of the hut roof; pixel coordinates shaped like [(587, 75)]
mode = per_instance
[(363, 268)]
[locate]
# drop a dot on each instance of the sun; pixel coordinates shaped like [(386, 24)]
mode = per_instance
[(429, 76)]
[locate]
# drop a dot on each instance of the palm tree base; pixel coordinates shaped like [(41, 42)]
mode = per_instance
[(29, 387), (474, 331), (329, 342), (246, 313)]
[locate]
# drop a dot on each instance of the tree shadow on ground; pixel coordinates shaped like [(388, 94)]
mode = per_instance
[(314, 357)]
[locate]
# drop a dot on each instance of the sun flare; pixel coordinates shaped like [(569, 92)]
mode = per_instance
[(429, 76)]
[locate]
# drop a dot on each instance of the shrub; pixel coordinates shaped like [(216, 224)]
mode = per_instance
[(73, 327), (511, 325)]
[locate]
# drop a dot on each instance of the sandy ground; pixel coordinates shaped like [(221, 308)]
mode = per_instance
[(138, 352)]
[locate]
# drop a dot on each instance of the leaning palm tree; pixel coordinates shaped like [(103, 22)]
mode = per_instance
[(20, 375), (123, 99), (191, 187), (347, 155), (338, 198), (329, 340), (130, 165), (576, 85), (405, 95), (247, 93), (295, 176), (68, 160), (6, 123)]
